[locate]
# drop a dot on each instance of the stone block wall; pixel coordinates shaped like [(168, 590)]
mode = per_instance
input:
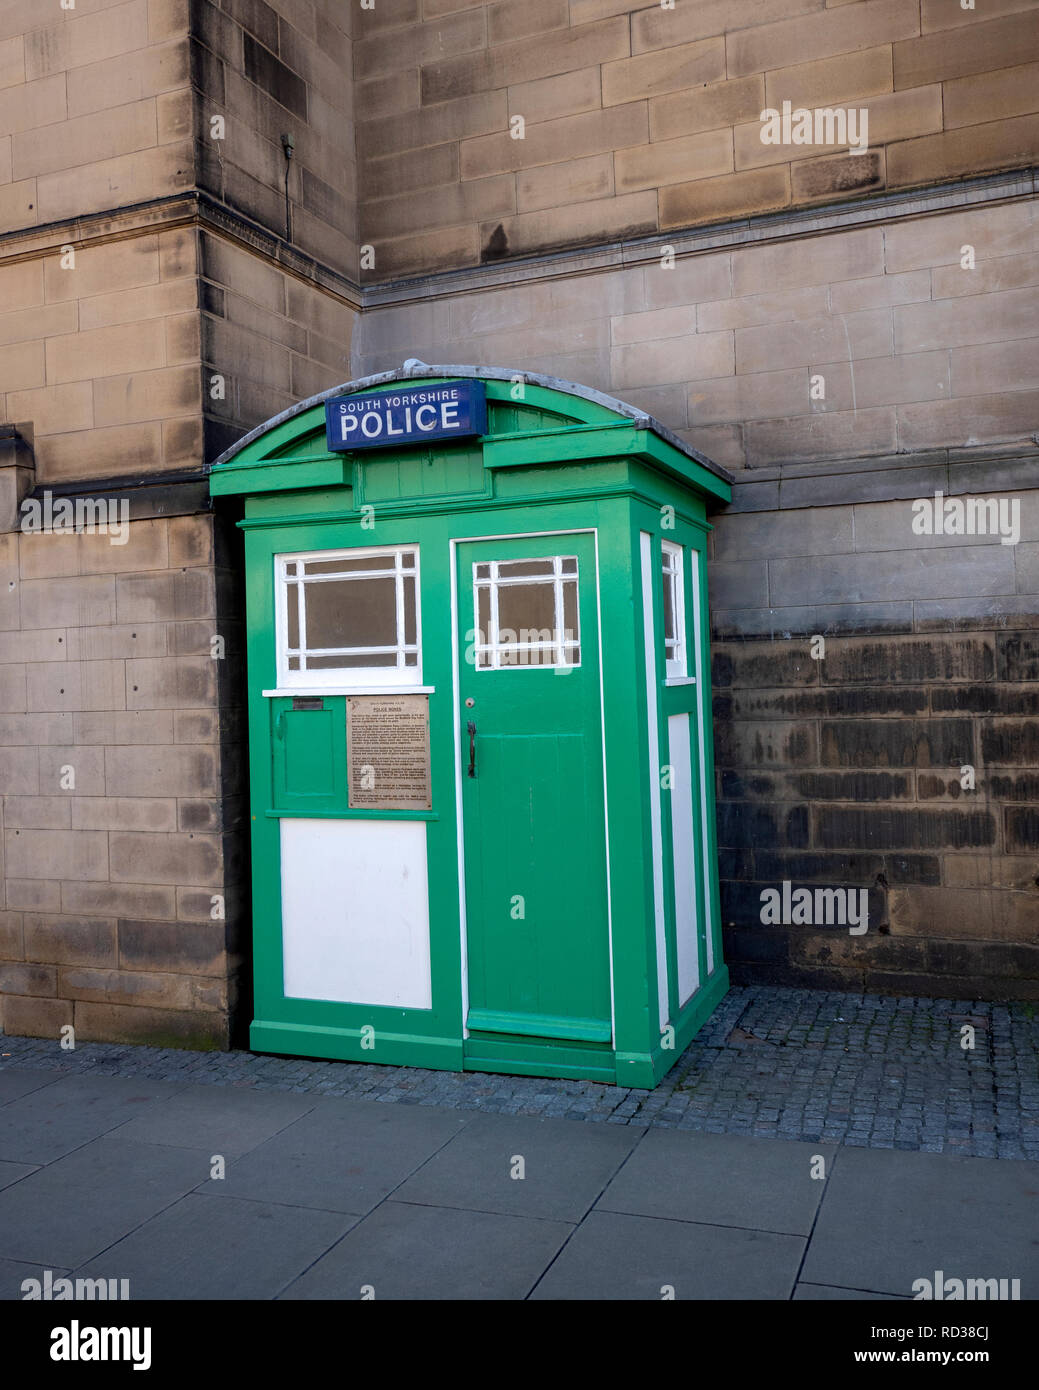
[(898, 756), (95, 107), (121, 769), (796, 350), (270, 70), (100, 355), (638, 119), (269, 339)]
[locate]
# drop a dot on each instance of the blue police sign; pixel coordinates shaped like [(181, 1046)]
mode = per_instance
[(408, 415)]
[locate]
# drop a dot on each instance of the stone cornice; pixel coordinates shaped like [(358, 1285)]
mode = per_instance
[(198, 208), (192, 209)]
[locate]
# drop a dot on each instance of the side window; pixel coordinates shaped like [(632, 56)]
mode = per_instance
[(526, 613), (349, 615), (675, 653)]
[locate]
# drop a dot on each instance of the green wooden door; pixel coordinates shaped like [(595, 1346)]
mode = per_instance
[(537, 928)]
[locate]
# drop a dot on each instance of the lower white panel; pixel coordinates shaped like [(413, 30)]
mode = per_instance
[(355, 911), (682, 846)]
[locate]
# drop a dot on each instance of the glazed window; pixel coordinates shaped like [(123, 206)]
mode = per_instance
[(348, 616), (526, 613), (674, 610)]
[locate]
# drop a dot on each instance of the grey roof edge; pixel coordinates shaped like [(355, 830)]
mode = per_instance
[(412, 369)]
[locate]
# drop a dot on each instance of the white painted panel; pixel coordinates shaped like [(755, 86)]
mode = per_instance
[(355, 911), (710, 869), (683, 856), (648, 575)]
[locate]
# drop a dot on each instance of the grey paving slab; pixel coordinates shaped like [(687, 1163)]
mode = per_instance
[(345, 1155), (14, 1172), (890, 1218), (12, 1274), (220, 1248), (76, 1207), (826, 1293), (722, 1180), (53, 1120), (613, 1256), (565, 1167), (17, 1083), (221, 1119), (403, 1251)]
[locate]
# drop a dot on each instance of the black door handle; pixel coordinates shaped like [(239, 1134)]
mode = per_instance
[(471, 728)]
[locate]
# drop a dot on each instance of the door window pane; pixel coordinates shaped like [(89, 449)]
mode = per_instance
[(570, 611), (526, 613), (526, 607)]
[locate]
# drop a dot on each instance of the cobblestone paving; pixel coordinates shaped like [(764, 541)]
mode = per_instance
[(788, 1064)]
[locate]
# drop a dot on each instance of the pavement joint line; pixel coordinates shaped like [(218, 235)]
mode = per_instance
[(830, 1170), (133, 1231), (484, 1211), (612, 1178), (365, 1215), (713, 1225)]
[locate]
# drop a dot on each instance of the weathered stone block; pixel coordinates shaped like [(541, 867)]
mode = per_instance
[(38, 981), (1010, 742), (1021, 830), (765, 743), (1018, 656), (70, 940), (118, 899), (767, 827), (78, 854), (939, 743), (898, 828), (165, 858), (28, 895), (150, 989), (35, 1018), (198, 1029), (198, 948)]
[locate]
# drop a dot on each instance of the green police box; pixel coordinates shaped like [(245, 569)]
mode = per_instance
[(483, 831)]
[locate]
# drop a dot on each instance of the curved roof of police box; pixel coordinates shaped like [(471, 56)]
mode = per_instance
[(413, 369)]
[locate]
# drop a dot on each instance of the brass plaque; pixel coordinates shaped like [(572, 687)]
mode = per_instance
[(387, 752)]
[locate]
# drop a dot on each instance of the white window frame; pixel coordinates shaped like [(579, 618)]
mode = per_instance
[(560, 646), (676, 649), (378, 677)]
